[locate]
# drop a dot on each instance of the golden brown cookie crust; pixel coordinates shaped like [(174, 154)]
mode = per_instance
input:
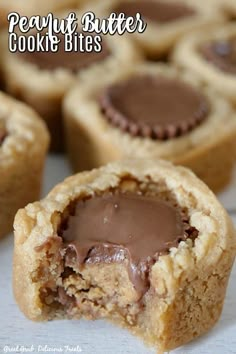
[(44, 90), (22, 156), (159, 39), (187, 286), (187, 56), (92, 141)]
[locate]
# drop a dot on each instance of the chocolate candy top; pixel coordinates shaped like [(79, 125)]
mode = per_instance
[(155, 11), (222, 54), (154, 106), (73, 61), (115, 227)]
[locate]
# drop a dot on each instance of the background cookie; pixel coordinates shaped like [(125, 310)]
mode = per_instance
[(189, 125), (166, 20), (23, 145), (210, 56)]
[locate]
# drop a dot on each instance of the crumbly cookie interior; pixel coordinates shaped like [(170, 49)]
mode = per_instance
[(100, 290)]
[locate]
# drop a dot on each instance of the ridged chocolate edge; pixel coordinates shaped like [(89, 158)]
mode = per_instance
[(143, 130)]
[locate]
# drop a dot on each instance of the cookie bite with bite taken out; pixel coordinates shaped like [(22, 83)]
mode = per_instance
[(142, 243)]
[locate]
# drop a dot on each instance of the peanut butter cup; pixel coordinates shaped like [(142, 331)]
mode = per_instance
[(222, 54), (74, 60), (156, 11), (115, 228), (154, 107)]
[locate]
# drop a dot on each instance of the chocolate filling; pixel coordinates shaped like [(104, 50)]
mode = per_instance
[(126, 228), (73, 61), (222, 54), (154, 106), (156, 11)]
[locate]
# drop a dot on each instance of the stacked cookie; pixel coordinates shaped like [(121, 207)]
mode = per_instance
[(158, 235)]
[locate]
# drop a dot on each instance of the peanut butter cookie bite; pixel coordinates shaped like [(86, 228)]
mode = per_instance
[(23, 145), (141, 243), (152, 111), (212, 57), (167, 20), (41, 78)]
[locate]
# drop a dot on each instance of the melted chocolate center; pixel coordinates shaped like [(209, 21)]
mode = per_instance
[(155, 107), (222, 54), (132, 227), (73, 61), (156, 11)]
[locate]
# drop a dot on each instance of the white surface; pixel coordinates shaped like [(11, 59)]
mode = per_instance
[(97, 337)]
